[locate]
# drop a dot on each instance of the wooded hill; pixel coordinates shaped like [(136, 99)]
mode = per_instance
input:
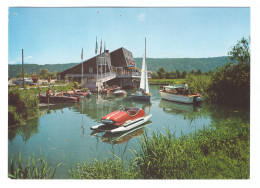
[(169, 64)]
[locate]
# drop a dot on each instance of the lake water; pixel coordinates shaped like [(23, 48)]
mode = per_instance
[(62, 133)]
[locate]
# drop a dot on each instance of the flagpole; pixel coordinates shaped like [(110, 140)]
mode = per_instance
[(23, 68), (82, 68)]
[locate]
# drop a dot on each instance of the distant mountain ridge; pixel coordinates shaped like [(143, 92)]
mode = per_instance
[(183, 64), (169, 64)]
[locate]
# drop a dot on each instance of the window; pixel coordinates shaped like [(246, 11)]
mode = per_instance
[(90, 69)]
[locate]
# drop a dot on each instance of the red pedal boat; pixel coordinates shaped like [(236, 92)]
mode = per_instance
[(122, 120)]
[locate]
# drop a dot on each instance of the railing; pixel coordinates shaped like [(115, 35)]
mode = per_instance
[(107, 76)]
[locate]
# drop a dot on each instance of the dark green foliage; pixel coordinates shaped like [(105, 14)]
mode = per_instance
[(200, 84), (231, 83), (161, 73), (34, 169), (44, 73), (13, 116), (22, 105)]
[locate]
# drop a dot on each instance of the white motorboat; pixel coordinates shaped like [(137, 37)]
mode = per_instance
[(178, 93)]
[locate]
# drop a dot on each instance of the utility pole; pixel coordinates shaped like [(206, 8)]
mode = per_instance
[(22, 68)]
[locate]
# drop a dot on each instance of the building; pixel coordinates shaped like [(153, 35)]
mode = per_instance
[(115, 68)]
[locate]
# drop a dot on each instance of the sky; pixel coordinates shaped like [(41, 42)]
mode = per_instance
[(57, 35)]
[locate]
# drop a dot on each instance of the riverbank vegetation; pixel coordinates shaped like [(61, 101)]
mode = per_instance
[(34, 169), (219, 152), (23, 104), (229, 84)]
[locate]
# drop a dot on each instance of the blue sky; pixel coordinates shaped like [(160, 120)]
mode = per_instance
[(56, 35)]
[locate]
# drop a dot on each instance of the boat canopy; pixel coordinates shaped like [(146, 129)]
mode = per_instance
[(174, 86)]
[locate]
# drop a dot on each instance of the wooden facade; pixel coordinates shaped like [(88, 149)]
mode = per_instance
[(115, 68)]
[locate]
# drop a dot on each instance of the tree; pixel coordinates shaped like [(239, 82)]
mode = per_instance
[(44, 73), (183, 74), (53, 75), (66, 78), (198, 72), (241, 52), (178, 74), (20, 74), (161, 73), (154, 75), (231, 83)]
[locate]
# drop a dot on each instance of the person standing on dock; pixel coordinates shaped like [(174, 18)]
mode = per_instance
[(40, 93), (48, 92), (61, 93), (54, 92), (185, 89)]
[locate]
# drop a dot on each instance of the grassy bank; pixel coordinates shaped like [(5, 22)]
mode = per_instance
[(220, 152), (23, 104), (166, 81)]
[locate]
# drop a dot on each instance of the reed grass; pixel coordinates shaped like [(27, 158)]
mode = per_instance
[(34, 169), (219, 152), (106, 169)]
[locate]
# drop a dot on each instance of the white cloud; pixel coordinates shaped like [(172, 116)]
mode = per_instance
[(18, 60), (141, 17)]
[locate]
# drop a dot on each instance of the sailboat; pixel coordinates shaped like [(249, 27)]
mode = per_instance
[(143, 93)]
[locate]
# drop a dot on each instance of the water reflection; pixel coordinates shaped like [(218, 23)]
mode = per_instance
[(63, 130), (101, 105), (189, 111), (24, 131), (119, 138)]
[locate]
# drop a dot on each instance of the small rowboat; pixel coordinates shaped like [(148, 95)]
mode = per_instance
[(58, 99), (119, 92), (122, 120)]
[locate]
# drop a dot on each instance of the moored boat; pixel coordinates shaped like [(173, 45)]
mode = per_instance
[(143, 94), (119, 92), (77, 93), (122, 120), (58, 99), (178, 93), (111, 89)]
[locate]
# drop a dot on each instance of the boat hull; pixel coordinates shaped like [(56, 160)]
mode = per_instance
[(58, 99), (125, 127), (119, 93), (190, 99), (142, 97)]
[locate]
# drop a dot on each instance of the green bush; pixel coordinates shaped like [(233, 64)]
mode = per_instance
[(200, 84), (13, 117), (22, 105)]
